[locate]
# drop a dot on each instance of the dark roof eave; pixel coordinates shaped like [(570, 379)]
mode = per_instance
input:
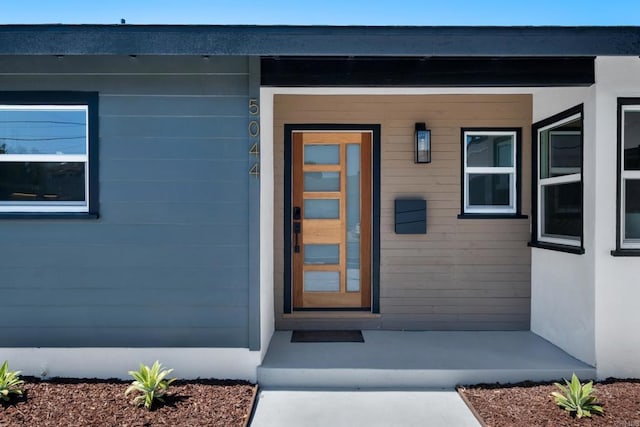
[(57, 39)]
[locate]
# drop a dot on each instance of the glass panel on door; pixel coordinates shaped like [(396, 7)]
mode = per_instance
[(322, 208), (353, 217)]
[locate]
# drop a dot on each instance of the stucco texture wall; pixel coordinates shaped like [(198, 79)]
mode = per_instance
[(588, 304), (617, 278), (562, 284)]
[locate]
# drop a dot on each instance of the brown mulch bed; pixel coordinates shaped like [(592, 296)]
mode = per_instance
[(74, 402), (531, 404)]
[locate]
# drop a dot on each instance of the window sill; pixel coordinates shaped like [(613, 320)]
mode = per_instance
[(625, 252), (48, 215), (554, 247), (491, 216)]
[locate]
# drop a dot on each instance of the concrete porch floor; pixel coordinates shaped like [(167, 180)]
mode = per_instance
[(421, 359)]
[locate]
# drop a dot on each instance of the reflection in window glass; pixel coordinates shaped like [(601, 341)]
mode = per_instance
[(559, 180), (631, 140), (42, 181), (321, 208), (353, 217), (321, 281), (562, 208), (630, 176), (321, 154), (489, 189), (322, 181), (35, 131), (632, 209), (561, 149), (321, 254), (490, 171), (44, 153), (490, 150)]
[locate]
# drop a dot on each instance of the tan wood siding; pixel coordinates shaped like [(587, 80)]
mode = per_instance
[(463, 274)]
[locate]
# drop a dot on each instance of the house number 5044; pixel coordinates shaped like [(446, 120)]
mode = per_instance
[(254, 110)]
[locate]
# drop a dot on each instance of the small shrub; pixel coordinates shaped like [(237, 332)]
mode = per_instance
[(10, 382), (151, 383), (577, 397)]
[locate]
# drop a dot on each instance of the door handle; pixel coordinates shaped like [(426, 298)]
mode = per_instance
[(297, 228)]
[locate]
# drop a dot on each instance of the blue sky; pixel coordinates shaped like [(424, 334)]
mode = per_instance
[(323, 12)]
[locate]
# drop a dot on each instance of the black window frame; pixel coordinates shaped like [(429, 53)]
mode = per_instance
[(619, 250), (518, 175), (535, 175), (62, 98)]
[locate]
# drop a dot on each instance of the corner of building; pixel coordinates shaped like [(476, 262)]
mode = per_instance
[(562, 284), (617, 284)]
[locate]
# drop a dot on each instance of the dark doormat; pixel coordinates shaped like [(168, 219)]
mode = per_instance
[(327, 336)]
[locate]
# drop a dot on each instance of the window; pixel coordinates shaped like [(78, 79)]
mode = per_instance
[(558, 181), (48, 153), (490, 172), (629, 173)]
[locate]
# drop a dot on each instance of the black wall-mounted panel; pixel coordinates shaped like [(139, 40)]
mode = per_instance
[(438, 72), (411, 216)]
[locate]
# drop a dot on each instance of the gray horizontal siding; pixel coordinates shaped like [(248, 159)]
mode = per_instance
[(172, 148), (167, 262), (182, 191), (123, 316), (170, 212), (168, 106), (58, 256), (221, 85), (127, 278), (190, 127), (25, 235), (221, 299), (174, 169), (129, 336)]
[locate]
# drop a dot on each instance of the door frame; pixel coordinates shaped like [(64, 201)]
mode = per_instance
[(375, 210)]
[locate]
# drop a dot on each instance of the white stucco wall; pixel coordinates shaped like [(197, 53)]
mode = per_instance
[(617, 295), (267, 316), (588, 304), (115, 362), (563, 284)]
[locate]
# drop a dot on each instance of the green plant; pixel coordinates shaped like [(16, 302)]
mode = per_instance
[(151, 383), (577, 397), (10, 382)]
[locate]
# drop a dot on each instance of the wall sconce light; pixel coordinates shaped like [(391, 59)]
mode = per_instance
[(423, 144)]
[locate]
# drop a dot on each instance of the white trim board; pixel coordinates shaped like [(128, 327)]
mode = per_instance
[(267, 311), (106, 362)]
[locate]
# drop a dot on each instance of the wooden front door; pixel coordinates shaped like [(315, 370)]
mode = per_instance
[(331, 220)]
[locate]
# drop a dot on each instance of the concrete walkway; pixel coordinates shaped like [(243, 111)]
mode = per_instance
[(353, 408)]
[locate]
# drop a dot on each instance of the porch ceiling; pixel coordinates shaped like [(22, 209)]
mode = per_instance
[(431, 72)]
